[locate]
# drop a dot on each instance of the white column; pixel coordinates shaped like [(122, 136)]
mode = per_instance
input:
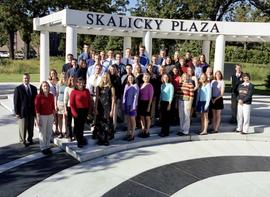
[(219, 54), (71, 40), (147, 41), (44, 55), (206, 50), (126, 44)]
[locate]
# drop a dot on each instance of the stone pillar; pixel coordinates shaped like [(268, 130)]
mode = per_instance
[(44, 56), (219, 54), (206, 50), (126, 44), (147, 41), (71, 40)]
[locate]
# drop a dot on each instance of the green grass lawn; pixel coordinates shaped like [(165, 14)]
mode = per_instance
[(12, 70), (11, 77)]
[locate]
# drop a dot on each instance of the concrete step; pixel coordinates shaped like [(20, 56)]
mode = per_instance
[(91, 151)]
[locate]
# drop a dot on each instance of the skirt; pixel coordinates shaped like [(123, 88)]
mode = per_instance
[(61, 107), (142, 108), (200, 107), (218, 104), (128, 112)]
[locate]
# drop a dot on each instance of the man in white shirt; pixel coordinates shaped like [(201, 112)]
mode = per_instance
[(93, 80), (136, 61), (128, 58)]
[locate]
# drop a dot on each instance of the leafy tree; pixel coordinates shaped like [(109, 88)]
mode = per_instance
[(10, 18), (100, 43), (115, 43), (261, 5), (3, 36)]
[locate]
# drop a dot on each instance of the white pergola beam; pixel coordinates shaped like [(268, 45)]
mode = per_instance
[(52, 18)]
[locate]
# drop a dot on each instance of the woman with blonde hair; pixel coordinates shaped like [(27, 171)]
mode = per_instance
[(52, 81), (203, 101), (59, 104), (68, 114), (105, 108), (146, 94)]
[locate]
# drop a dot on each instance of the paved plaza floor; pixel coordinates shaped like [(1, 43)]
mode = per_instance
[(222, 164)]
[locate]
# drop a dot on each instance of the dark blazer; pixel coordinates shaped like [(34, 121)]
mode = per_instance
[(23, 104)]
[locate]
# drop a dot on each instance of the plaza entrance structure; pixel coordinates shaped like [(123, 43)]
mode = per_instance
[(73, 22)]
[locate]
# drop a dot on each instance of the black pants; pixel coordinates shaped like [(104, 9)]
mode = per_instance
[(165, 117), (69, 121), (79, 122)]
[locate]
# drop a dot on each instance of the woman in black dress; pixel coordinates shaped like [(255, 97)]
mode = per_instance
[(105, 107)]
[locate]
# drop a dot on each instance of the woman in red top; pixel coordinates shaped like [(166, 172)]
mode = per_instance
[(45, 110), (80, 105)]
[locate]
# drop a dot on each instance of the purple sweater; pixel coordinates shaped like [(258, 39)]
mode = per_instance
[(146, 92)]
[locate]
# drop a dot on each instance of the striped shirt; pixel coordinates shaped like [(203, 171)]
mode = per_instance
[(185, 91)]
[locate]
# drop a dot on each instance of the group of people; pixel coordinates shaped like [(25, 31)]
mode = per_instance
[(109, 89)]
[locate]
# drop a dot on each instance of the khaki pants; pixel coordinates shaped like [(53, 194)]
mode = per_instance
[(26, 128), (45, 131), (184, 115)]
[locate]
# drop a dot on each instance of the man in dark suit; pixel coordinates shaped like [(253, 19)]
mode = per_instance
[(24, 107)]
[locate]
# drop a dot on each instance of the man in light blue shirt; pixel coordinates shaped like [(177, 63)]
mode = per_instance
[(109, 61)]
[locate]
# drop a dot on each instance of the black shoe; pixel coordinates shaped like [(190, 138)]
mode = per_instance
[(49, 151), (26, 144), (181, 134), (232, 121), (163, 134), (141, 135), (130, 138), (147, 135), (80, 145), (126, 138), (106, 143), (84, 142), (237, 131), (45, 152), (111, 137)]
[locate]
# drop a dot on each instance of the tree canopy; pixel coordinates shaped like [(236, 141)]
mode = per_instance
[(17, 15)]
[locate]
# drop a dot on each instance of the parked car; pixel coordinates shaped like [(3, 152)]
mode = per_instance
[(4, 54), (19, 55)]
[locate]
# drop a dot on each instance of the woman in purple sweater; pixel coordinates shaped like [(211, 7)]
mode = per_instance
[(144, 107), (130, 101)]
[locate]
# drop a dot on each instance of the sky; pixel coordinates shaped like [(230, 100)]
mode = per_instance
[(132, 3)]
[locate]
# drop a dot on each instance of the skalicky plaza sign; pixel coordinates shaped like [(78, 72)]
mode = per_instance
[(151, 24)]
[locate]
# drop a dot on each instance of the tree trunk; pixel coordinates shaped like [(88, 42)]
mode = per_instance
[(11, 36), (27, 50)]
